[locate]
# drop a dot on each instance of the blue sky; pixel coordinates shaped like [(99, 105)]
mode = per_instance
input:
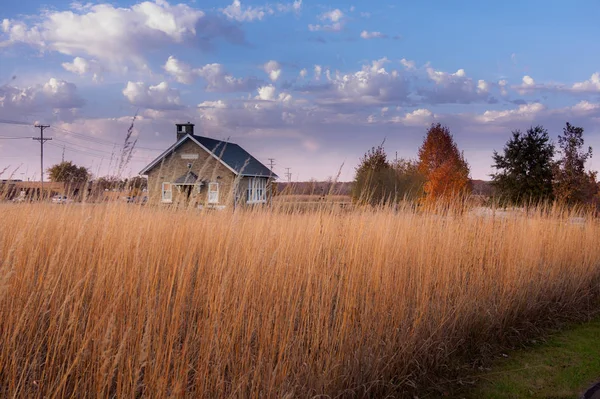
[(311, 84)]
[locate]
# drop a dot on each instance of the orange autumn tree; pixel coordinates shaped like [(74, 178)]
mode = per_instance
[(445, 169)]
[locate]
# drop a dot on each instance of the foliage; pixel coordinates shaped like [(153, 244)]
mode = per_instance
[(572, 184), (135, 185), (68, 172), (409, 181), (378, 181), (445, 169), (525, 169), (374, 178)]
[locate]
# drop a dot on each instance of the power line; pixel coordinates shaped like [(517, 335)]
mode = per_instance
[(100, 141), (10, 122), (14, 138)]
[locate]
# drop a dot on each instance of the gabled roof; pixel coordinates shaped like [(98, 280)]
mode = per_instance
[(234, 157)]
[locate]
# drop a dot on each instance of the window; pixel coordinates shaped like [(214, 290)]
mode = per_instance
[(167, 192), (257, 190), (213, 193)]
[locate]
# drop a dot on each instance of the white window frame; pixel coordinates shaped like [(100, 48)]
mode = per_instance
[(167, 195), (213, 195), (257, 190)]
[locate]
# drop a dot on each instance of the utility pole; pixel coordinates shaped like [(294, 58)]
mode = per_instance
[(289, 175), (63, 154), (271, 163), (42, 140)]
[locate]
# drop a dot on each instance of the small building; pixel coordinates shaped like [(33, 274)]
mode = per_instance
[(204, 172)]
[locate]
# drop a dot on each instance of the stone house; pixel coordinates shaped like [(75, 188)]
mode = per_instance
[(200, 171)]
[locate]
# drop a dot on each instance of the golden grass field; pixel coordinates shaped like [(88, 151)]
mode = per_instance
[(126, 301)]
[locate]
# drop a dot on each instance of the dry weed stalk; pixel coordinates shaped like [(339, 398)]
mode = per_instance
[(119, 301)]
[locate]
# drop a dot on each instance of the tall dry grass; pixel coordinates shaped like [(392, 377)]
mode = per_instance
[(123, 301)]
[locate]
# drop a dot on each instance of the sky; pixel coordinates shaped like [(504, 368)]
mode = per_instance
[(312, 84)]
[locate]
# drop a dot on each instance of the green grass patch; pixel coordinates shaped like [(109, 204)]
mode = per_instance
[(562, 366)]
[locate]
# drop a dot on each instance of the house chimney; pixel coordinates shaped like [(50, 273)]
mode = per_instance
[(183, 129)]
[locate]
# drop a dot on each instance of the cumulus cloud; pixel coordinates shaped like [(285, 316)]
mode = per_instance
[(238, 12), (454, 87), (118, 35), (318, 70), (269, 93), (590, 85), (418, 117), (372, 35), (524, 112), (159, 97), (215, 75), (55, 94), (273, 69), (409, 65), (219, 80), (81, 66), (181, 71), (303, 72), (373, 84), (333, 21)]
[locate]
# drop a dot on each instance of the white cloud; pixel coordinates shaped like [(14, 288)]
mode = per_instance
[(318, 70), (591, 85), (81, 66), (373, 84), (213, 104), (269, 93), (273, 69), (440, 77), (217, 78), (181, 71), (118, 35), (502, 84), (238, 12), (418, 117), (303, 73), (159, 97), (55, 94), (483, 86), (266, 93), (454, 87), (585, 107), (334, 21), (528, 81), (372, 35), (409, 65), (524, 112)]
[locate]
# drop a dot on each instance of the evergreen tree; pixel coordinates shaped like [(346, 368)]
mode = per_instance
[(525, 169)]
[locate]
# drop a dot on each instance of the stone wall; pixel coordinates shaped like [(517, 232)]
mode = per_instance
[(205, 166)]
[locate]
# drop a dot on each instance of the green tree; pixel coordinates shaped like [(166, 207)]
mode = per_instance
[(374, 178), (409, 182), (572, 184), (525, 170), (68, 172)]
